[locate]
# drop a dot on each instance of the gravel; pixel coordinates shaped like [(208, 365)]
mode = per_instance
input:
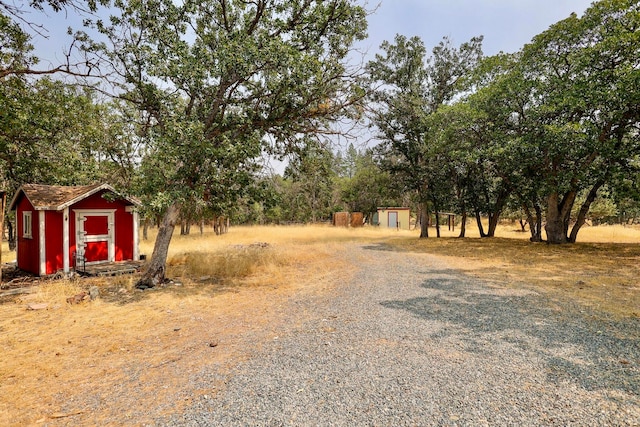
[(410, 341)]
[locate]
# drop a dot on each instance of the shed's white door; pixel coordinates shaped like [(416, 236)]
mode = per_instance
[(393, 219), (95, 231)]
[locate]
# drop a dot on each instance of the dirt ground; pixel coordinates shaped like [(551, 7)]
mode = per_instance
[(112, 360), (122, 359)]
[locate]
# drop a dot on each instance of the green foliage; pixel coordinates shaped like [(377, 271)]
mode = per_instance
[(369, 187), (16, 52), (48, 133), (543, 130), (312, 174), (584, 106), (408, 89), (602, 209), (218, 83)]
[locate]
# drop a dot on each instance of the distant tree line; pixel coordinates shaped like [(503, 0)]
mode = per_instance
[(321, 181)]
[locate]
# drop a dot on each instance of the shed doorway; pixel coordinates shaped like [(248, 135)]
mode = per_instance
[(393, 219), (95, 231)]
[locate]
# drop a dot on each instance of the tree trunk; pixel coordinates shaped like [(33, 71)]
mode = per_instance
[(463, 225), (538, 234), (145, 230), (437, 223), (494, 218), (215, 225), (201, 227), (523, 224), (220, 225), (3, 202), (535, 223), (424, 221), (558, 216), (584, 209), (11, 236), (554, 227), (185, 227), (479, 222), (154, 273)]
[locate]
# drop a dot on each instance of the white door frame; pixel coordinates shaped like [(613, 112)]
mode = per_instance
[(82, 238)]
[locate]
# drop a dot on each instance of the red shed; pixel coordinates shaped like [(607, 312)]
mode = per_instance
[(56, 226)]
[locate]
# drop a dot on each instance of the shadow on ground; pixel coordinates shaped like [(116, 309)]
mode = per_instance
[(384, 247), (576, 345)]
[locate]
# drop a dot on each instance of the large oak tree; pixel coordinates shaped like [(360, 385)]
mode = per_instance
[(584, 108), (217, 82)]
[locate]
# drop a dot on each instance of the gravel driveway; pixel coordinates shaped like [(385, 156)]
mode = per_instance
[(410, 341)]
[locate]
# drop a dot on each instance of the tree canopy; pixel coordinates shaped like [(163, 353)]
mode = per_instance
[(408, 88), (542, 128)]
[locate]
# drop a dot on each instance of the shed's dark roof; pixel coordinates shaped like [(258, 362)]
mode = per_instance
[(58, 197)]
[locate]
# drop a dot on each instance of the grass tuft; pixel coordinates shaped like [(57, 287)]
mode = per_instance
[(229, 264), (56, 291)]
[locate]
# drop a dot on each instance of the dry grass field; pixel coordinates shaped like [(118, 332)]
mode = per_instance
[(61, 363)]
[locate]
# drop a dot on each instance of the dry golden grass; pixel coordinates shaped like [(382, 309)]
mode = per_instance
[(77, 361), (600, 234), (7, 256)]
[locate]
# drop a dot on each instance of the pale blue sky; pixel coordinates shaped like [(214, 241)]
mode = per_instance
[(505, 24)]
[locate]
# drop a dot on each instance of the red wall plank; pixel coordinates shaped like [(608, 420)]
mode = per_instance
[(53, 242), (27, 257)]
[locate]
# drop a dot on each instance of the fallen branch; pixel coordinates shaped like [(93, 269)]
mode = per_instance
[(61, 415), (175, 359), (17, 291)]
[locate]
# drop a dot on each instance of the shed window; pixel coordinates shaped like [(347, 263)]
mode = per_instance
[(27, 225)]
